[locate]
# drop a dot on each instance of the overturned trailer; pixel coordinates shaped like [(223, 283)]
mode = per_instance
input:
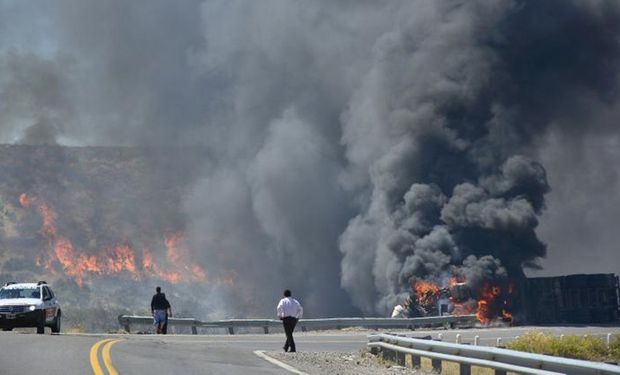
[(580, 299), (571, 299)]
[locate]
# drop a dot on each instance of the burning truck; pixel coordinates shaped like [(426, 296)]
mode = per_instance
[(488, 302), (591, 298)]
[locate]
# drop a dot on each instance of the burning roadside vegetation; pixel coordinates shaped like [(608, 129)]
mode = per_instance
[(116, 259), (102, 259)]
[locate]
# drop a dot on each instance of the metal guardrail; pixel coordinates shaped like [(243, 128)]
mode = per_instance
[(467, 355), (305, 324), (465, 363)]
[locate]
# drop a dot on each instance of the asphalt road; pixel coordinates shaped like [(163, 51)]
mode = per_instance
[(68, 354), (28, 353)]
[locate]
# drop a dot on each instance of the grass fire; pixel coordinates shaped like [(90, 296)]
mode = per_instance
[(61, 256)]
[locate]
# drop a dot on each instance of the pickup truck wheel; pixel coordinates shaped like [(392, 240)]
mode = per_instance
[(41, 323), (56, 326)]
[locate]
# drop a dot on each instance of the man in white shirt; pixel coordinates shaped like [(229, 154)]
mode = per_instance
[(289, 311)]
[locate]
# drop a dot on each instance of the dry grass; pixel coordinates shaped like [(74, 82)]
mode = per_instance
[(590, 348), (614, 348), (587, 348)]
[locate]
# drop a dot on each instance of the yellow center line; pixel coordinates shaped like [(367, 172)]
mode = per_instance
[(106, 357), (94, 361)]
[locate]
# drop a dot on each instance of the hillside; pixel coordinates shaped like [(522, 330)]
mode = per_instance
[(93, 220)]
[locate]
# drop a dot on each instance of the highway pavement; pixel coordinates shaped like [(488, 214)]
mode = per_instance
[(28, 353)]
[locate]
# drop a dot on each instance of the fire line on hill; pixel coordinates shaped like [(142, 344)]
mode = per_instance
[(122, 258)]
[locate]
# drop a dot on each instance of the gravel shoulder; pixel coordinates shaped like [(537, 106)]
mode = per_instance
[(338, 363)]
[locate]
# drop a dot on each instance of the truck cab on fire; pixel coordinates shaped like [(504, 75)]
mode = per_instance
[(29, 305)]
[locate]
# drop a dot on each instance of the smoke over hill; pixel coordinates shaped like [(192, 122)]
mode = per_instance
[(337, 148)]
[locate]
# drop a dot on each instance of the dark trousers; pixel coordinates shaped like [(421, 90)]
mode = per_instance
[(289, 326)]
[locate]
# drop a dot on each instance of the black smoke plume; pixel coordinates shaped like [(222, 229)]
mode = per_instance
[(453, 105)]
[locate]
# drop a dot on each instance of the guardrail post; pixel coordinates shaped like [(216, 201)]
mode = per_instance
[(608, 340), (231, 330), (476, 340), (458, 338), (303, 329), (124, 322), (416, 361), (464, 369), (400, 358), (500, 372), (194, 330), (266, 330), (436, 363), (387, 354)]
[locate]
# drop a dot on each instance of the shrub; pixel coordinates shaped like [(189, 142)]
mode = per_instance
[(614, 348), (587, 348), (533, 342)]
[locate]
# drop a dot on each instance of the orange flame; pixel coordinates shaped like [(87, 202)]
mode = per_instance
[(48, 228), (174, 244), (483, 312), (488, 308), (426, 292), (24, 201), (487, 297), (455, 280), (198, 273), (117, 259), (506, 315), (491, 302), (120, 258), (462, 304), (153, 268), (464, 308), (228, 278)]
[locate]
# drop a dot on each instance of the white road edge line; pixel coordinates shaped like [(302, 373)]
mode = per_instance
[(261, 354)]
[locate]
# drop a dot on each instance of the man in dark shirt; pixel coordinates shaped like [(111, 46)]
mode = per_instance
[(161, 310)]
